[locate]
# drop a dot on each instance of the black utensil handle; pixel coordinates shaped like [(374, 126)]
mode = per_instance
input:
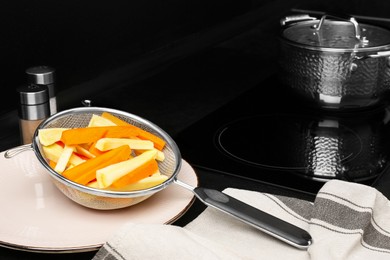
[(261, 220)]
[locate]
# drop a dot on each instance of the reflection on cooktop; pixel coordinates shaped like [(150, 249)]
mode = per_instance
[(288, 143), (320, 149)]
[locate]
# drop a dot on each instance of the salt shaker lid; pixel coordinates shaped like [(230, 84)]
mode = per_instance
[(33, 94), (41, 75)]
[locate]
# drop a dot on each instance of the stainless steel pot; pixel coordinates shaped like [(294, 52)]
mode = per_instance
[(336, 62)]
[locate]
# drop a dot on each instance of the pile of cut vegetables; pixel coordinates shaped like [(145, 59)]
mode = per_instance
[(107, 154)]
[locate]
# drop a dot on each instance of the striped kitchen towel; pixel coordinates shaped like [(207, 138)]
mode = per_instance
[(346, 221)]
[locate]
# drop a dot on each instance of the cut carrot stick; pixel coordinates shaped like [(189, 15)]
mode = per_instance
[(86, 172), (121, 132), (93, 184), (143, 171), (76, 136), (52, 164), (95, 151), (84, 135), (159, 143), (145, 183)]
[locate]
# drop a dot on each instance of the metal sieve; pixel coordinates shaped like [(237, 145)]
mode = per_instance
[(99, 198)]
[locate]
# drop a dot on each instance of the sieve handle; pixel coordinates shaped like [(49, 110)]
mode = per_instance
[(261, 220), (17, 150)]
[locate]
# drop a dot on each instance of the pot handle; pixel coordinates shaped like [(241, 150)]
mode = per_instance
[(348, 18), (295, 18), (379, 54)]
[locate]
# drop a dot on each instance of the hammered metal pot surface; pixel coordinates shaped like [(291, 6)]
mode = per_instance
[(358, 83)]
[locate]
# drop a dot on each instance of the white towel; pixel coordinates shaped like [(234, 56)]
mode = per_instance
[(346, 221)]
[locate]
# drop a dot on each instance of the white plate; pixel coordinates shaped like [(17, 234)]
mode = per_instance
[(37, 217)]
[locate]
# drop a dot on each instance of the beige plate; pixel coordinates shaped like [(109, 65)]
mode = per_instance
[(37, 217)]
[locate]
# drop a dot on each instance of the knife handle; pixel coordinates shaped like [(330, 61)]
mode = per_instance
[(261, 220)]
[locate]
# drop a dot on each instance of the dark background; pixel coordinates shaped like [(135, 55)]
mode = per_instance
[(110, 43)]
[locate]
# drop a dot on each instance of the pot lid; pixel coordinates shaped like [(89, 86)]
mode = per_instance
[(337, 34)]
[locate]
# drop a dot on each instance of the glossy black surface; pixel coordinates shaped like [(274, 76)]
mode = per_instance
[(270, 134)]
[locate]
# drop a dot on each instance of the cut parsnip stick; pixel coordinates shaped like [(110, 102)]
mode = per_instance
[(145, 183), (105, 144), (48, 136), (159, 157), (54, 151), (99, 121), (81, 150), (108, 175), (64, 158)]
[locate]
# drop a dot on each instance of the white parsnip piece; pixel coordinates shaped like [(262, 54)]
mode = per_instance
[(54, 151), (108, 175), (64, 158), (105, 144), (145, 183), (48, 136), (81, 150), (99, 121), (159, 157)]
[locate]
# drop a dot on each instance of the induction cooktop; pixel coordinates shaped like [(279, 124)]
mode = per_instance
[(269, 134)]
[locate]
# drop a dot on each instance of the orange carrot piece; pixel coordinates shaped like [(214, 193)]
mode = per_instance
[(84, 135), (76, 136), (86, 171), (121, 132), (142, 134), (93, 150), (158, 142), (139, 173), (52, 164)]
